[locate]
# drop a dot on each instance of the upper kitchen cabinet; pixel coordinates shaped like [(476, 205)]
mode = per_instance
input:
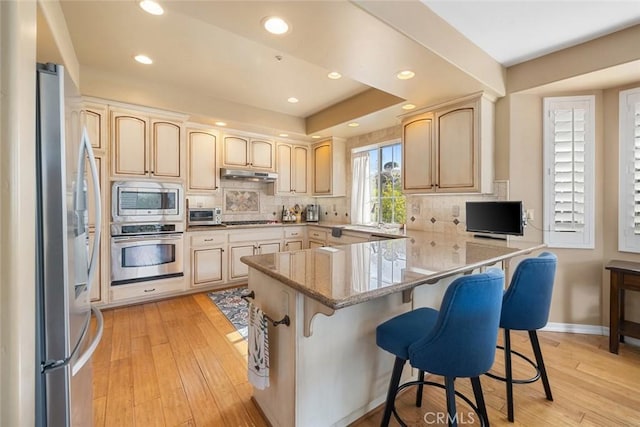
[(449, 149), (202, 162), (329, 162), (145, 147), (292, 166), (245, 152), (94, 118)]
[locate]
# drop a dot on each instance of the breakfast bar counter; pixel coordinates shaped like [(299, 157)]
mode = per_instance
[(325, 367)]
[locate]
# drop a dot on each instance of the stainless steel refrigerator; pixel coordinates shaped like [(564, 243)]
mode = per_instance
[(65, 264)]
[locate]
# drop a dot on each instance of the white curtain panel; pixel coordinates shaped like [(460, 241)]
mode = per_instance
[(361, 191)]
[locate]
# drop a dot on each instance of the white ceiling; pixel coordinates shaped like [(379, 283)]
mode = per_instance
[(213, 60), (513, 31)]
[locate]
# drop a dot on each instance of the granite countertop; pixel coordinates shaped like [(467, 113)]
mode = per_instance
[(351, 274)]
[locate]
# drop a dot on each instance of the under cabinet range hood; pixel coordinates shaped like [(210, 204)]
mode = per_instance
[(248, 175)]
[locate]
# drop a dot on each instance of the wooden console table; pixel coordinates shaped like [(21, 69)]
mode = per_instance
[(625, 276)]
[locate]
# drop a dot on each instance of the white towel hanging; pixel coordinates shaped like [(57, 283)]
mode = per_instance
[(258, 354)]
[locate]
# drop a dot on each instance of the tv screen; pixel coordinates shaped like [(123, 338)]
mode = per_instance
[(495, 217)]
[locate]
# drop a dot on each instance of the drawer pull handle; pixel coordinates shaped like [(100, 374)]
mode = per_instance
[(150, 290), (208, 240), (294, 234)]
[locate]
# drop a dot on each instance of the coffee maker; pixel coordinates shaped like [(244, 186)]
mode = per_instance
[(312, 213)]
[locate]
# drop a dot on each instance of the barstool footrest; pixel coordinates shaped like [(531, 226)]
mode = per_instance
[(533, 379), (468, 401)]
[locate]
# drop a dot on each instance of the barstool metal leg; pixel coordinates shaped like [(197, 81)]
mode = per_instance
[(535, 344), (420, 387), (508, 373), (477, 392), (393, 389), (451, 401)]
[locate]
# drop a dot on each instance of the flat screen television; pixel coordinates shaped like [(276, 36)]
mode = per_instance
[(497, 219)]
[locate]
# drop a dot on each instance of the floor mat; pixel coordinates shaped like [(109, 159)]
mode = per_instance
[(234, 307)]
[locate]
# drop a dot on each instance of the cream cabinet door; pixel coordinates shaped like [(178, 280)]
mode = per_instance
[(238, 269), (418, 150), (322, 169), (293, 245), (261, 155), (284, 153), (129, 142), (94, 120), (202, 161), (300, 170), (314, 244), (96, 292), (235, 151), (166, 149), (268, 248), (456, 150), (208, 266)]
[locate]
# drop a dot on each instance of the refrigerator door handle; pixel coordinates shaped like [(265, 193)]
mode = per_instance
[(95, 255), (84, 357)]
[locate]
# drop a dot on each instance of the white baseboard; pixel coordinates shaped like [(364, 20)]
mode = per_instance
[(585, 329)]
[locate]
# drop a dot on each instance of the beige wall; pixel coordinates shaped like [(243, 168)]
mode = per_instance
[(577, 291), (17, 212), (581, 292)]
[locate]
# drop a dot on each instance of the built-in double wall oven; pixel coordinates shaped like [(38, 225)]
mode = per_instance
[(147, 231)]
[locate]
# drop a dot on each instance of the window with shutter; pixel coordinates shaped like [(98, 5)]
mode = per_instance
[(569, 170), (629, 166)]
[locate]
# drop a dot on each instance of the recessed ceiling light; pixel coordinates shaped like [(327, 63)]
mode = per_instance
[(275, 25), (221, 123), (316, 136), (334, 75), (292, 100), (354, 124), (143, 59), (405, 75), (151, 7), (284, 135), (408, 107)]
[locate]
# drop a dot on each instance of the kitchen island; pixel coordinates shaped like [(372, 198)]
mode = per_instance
[(325, 367)]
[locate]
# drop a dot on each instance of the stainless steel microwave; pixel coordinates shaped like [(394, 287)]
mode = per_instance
[(133, 201), (204, 216)]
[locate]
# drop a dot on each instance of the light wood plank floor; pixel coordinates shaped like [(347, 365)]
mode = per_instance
[(179, 362)]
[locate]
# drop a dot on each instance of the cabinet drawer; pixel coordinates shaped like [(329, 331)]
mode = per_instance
[(293, 233), (317, 234), (146, 290), (256, 235), (208, 239)]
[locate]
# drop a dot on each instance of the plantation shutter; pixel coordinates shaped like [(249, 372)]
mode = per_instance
[(629, 164), (569, 171)]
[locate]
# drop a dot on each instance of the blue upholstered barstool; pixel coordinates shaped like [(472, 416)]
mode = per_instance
[(525, 307), (456, 342)]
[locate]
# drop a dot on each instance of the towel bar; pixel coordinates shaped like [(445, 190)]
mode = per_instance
[(284, 321)]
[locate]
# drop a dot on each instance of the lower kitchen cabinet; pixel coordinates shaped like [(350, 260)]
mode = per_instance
[(208, 266), (208, 254), (294, 238), (247, 242), (239, 270), (315, 244)]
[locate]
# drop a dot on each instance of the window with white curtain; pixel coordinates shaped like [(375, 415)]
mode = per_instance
[(629, 167), (376, 192), (569, 164)]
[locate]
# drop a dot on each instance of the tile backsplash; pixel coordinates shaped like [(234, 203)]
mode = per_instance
[(438, 213), (268, 207)]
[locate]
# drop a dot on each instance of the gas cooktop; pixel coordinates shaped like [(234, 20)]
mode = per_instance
[(254, 222)]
